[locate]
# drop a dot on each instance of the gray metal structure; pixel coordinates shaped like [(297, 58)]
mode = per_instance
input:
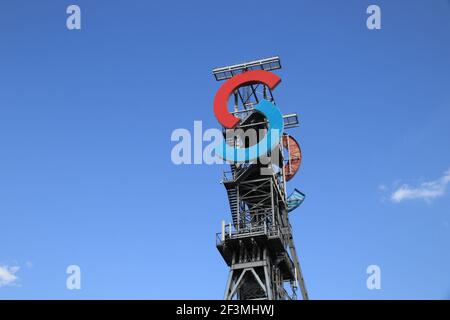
[(257, 244)]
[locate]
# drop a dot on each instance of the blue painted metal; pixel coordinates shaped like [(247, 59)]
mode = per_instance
[(268, 143), (295, 199)]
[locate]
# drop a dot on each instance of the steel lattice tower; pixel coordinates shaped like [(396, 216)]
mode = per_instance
[(258, 245)]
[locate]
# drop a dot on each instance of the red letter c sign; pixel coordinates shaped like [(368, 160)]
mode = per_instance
[(246, 78)]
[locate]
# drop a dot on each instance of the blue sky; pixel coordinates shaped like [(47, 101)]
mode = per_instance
[(86, 117)]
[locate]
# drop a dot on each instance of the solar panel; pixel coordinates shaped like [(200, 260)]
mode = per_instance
[(227, 72)]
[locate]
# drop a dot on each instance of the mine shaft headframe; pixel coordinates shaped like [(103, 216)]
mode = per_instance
[(268, 64)]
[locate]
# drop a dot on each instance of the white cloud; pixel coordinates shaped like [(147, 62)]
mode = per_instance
[(8, 275), (426, 191)]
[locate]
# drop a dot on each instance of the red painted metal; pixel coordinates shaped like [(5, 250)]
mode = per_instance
[(243, 79), (295, 156)]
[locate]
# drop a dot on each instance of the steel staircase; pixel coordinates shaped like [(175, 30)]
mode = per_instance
[(233, 201)]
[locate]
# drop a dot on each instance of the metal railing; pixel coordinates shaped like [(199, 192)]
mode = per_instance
[(230, 232)]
